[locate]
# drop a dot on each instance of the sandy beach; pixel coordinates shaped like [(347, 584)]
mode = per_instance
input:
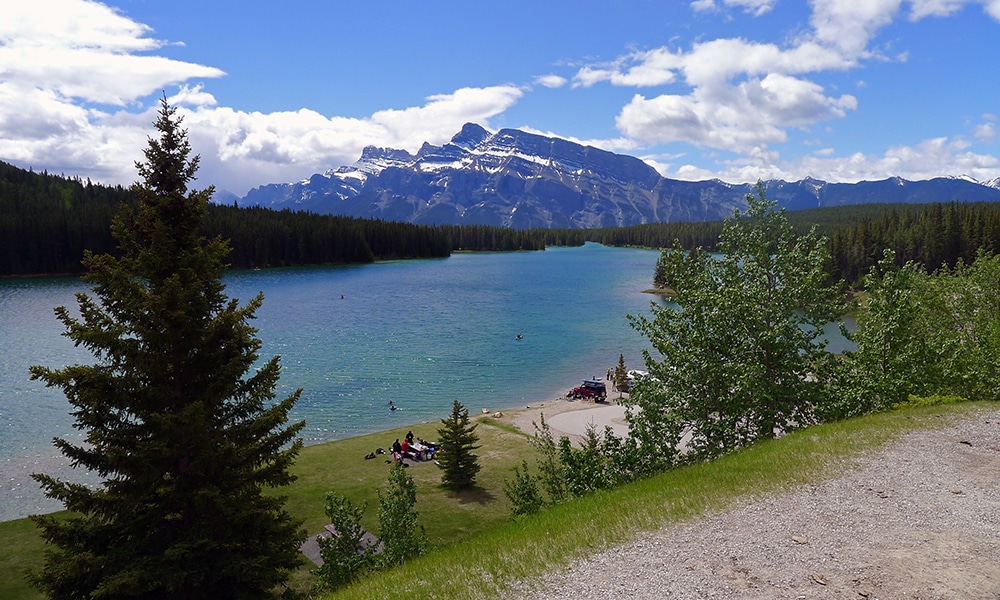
[(570, 417)]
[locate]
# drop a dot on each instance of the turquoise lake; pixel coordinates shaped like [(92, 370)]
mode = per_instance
[(420, 333)]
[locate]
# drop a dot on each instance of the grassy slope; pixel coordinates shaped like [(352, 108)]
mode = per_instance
[(478, 551), (340, 466)]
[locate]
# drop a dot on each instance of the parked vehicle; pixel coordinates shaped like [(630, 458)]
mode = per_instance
[(631, 377), (590, 389)]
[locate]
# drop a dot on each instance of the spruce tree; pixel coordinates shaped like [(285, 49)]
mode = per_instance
[(458, 440), (177, 420), (621, 375)]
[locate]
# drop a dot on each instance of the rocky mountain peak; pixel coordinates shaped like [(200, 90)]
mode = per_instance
[(518, 179)]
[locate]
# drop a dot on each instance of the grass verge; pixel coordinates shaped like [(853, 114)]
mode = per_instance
[(478, 553)]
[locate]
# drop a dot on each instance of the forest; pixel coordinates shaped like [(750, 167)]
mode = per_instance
[(930, 235), (46, 222)]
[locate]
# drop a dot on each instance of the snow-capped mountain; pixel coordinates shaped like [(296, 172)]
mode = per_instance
[(517, 179)]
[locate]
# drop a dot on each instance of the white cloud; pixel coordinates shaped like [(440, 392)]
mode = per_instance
[(713, 62), (754, 7), (241, 150), (849, 25), (743, 95), (741, 118), (934, 8), (72, 24), (639, 69), (192, 96), (81, 49), (992, 8), (444, 115), (620, 144), (62, 60), (930, 158), (551, 81), (985, 131)]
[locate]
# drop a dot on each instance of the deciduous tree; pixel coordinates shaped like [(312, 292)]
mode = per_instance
[(742, 340), (400, 532), (345, 557), (892, 358)]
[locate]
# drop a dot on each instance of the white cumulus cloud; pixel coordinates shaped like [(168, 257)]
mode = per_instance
[(76, 94), (551, 81)]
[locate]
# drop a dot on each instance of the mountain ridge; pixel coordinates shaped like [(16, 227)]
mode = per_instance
[(513, 178)]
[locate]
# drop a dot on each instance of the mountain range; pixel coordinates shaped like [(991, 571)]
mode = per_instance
[(522, 180)]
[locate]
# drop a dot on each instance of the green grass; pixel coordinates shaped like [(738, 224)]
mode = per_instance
[(477, 552)]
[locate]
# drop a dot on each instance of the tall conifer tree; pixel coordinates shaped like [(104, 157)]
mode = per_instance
[(458, 440), (183, 433)]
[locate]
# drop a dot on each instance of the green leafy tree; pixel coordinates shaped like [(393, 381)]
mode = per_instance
[(523, 494), (742, 342), (960, 321), (459, 463), (893, 358), (345, 556), (550, 473), (654, 433), (400, 532), (177, 419), (586, 469)]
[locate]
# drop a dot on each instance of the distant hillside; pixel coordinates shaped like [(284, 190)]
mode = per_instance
[(47, 221), (522, 180)]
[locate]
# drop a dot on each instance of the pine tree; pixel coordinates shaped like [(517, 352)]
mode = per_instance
[(458, 439), (184, 436), (621, 376)]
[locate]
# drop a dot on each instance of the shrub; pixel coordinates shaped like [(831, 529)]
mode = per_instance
[(523, 493), (345, 557)]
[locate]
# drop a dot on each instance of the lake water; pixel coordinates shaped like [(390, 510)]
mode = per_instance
[(419, 333)]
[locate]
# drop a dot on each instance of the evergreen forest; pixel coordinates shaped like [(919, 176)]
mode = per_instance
[(46, 222)]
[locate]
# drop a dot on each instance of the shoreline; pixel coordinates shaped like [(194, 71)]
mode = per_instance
[(564, 415)]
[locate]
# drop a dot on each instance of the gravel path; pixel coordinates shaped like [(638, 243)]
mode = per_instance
[(918, 520)]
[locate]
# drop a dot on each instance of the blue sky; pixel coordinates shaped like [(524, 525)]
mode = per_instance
[(841, 90)]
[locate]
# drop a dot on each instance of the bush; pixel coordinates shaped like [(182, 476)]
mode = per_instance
[(345, 557), (523, 493), (914, 401), (401, 535)]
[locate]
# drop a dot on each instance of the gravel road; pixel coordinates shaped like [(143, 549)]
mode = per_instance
[(918, 520)]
